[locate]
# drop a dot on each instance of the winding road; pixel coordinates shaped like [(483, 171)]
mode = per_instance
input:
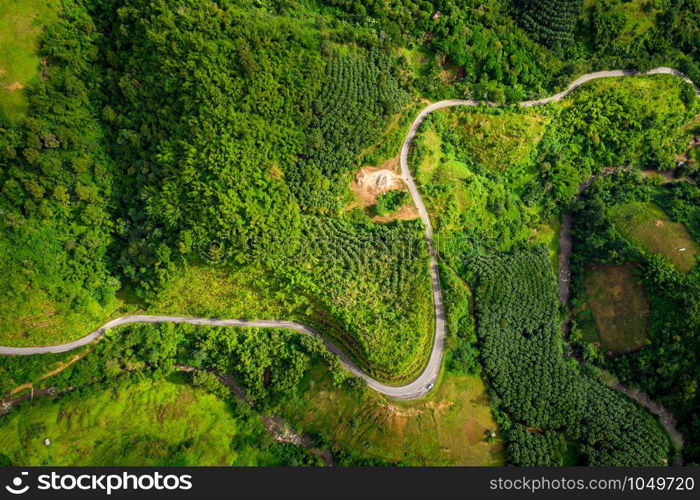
[(425, 381)]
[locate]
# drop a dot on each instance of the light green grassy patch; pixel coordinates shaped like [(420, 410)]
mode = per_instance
[(638, 16), (40, 304), (499, 141), (448, 428), (146, 423), (246, 292), (432, 157), (646, 225), (548, 235), (21, 23), (417, 59), (620, 309), (473, 167)]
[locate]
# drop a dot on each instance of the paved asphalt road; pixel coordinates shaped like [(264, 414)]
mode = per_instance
[(424, 382)]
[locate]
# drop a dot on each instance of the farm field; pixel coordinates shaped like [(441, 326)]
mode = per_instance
[(619, 307), (648, 226)]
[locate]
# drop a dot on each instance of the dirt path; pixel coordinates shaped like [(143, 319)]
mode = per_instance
[(565, 249), (46, 375), (665, 417)]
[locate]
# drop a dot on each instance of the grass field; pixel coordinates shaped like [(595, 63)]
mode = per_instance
[(146, 423), (448, 428), (618, 304), (21, 23), (646, 225)]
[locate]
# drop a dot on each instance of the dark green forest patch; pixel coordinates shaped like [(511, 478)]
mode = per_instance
[(535, 387)]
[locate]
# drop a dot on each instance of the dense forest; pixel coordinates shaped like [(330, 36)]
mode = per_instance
[(166, 162), (548, 406)]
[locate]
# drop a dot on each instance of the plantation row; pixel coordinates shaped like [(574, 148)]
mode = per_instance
[(375, 280), (359, 94), (552, 22), (547, 403)]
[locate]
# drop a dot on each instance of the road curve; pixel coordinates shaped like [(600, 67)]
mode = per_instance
[(424, 382)]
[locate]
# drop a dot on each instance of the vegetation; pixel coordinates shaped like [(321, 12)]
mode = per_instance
[(131, 124), (21, 24), (473, 199), (636, 122), (537, 390), (359, 95), (667, 368), (462, 354), (16, 371), (391, 201), (472, 48), (552, 22), (452, 427), (649, 227), (164, 422), (498, 141), (135, 372), (56, 185), (374, 279), (195, 158)]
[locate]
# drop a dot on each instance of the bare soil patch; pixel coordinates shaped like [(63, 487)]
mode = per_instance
[(370, 182)]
